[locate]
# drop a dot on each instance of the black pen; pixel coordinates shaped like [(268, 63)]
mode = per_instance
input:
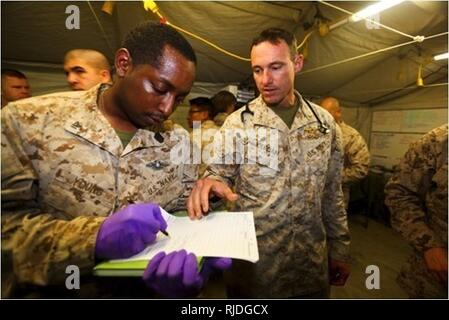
[(165, 232)]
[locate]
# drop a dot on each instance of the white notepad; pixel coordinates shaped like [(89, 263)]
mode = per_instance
[(219, 234)]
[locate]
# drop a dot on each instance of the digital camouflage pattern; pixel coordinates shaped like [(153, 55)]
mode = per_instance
[(356, 158), (203, 137), (416, 195), (298, 207), (64, 170)]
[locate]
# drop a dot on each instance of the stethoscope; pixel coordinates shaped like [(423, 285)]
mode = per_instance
[(322, 127)]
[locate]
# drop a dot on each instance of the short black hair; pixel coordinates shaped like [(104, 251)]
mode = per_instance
[(221, 101), (274, 36), (204, 104), (147, 41), (12, 73)]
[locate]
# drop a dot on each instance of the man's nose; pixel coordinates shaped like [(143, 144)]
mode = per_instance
[(167, 105), (26, 92), (71, 78), (266, 77)]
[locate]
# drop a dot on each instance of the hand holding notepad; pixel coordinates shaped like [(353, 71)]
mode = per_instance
[(178, 275), (220, 234)]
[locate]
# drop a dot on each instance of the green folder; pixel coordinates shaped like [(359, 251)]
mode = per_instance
[(127, 268), (120, 269)]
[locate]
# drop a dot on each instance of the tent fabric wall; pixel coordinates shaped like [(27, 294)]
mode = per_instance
[(419, 98), (35, 32), (34, 40)]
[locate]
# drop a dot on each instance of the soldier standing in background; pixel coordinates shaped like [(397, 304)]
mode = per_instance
[(224, 104), (356, 154), (85, 68), (15, 86), (417, 198)]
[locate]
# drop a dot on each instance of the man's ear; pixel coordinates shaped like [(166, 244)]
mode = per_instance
[(123, 62), (298, 62)]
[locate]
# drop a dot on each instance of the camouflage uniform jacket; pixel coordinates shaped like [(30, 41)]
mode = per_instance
[(298, 206), (64, 170), (416, 195), (356, 155), (356, 159)]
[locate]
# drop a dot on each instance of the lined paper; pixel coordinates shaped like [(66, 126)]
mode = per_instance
[(219, 234)]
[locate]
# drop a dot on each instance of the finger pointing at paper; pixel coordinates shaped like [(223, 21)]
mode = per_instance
[(204, 189)]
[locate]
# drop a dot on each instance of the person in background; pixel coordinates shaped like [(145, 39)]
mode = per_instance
[(202, 125), (85, 68), (356, 154), (84, 175), (15, 86), (200, 110), (299, 213), (416, 195), (224, 103)]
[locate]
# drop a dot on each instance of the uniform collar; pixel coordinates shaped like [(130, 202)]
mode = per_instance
[(264, 116), (304, 116), (90, 124)]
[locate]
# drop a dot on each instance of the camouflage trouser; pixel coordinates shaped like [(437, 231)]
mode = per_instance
[(419, 282)]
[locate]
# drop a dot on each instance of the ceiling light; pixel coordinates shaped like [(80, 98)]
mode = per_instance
[(373, 9), (441, 56)]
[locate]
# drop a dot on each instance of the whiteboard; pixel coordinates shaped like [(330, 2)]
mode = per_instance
[(387, 149), (415, 121), (393, 131)]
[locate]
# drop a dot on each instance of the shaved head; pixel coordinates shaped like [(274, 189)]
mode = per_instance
[(93, 58), (86, 68), (333, 107)]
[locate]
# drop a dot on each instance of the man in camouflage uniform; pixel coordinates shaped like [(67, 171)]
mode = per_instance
[(356, 154), (85, 68), (297, 200), (14, 86), (416, 195), (70, 160)]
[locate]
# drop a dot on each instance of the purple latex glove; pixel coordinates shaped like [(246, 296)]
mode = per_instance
[(175, 275), (129, 231)]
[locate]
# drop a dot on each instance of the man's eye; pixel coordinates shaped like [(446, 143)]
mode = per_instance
[(256, 71), (79, 70), (159, 90)]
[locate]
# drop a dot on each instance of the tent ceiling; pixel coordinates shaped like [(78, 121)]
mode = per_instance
[(34, 32)]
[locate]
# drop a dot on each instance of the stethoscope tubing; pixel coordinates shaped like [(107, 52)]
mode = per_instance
[(322, 126)]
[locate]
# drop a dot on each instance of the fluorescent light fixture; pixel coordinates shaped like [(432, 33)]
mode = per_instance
[(373, 9), (441, 56)]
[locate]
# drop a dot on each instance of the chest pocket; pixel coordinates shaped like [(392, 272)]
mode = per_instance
[(150, 178), (311, 152), (262, 175), (313, 149), (76, 195)]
